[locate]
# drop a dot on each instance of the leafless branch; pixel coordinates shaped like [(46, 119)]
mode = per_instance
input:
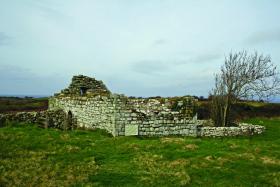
[(244, 76)]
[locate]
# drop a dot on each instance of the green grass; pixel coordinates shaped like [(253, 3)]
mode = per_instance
[(30, 156)]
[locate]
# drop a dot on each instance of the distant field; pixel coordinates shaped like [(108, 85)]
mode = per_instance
[(244, 110), (14, 104), (30, 156)]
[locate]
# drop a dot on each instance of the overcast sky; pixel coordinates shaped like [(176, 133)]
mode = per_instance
[(137, 47)]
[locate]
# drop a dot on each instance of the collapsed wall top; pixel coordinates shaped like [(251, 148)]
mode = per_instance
[(83, 85)]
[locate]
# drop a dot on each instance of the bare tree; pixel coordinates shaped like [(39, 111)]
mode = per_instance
[(242, 76)]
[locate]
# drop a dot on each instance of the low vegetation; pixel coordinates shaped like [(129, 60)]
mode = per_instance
[(15, 104), (243, 109), (31, 156)]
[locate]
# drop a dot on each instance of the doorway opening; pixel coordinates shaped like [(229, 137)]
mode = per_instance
[(69, 120), (83, 91)]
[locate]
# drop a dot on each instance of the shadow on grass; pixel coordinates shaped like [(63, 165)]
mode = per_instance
[(113, 179)]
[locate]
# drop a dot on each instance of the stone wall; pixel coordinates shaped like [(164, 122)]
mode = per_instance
[(47, 119), (166, 116), (82, 85), (116, 113), (87, 112), (242, 129), (59, 119), (121, 115)]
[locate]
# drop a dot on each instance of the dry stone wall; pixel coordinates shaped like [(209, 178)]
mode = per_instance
[(47, 119), (87, 112), (243, 129)]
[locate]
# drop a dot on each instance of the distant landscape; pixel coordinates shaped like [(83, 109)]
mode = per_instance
[(19, 104)]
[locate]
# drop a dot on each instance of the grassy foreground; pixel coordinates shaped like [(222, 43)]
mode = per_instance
[(30, 156)]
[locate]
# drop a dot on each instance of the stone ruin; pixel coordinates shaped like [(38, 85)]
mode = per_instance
[(87, 103), (91, 105), (83, 85)]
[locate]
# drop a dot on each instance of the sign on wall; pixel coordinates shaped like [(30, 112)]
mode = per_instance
[(131, 130)]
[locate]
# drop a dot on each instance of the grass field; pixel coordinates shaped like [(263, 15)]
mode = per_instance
[(30, 156)]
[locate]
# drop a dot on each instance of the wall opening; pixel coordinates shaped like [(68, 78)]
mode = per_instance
[(69, 120), (83, 90)]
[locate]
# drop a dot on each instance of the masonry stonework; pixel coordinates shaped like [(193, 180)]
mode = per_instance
[(116, 113), (47, 119), (88, 103)]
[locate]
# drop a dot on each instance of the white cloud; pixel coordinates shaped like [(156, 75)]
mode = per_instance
[(4, 39), (264, 37), (137, 47)]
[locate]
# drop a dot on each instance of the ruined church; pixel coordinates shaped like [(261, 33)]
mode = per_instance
[(88, 103)]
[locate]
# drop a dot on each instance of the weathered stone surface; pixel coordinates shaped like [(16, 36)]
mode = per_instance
[(242, 129), (52, 119), (83, 85)]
